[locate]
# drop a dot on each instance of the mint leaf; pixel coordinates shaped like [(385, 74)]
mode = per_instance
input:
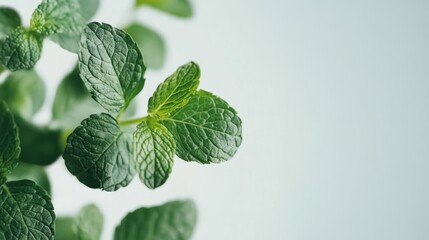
[(153, 153), (206, 130), (72, 102), (89, 223), (111, 65), (24, 92), (9, 141), (175, 91), (179, 8), (65, 228), (99, 154), (151, 44), (56, 16), (31, 172), (9, 20), (172, 221), (26, 210), (20, 50), (39, 145)]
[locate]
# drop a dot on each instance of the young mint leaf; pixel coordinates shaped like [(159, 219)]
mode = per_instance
[(24, 92), (151, 44), (31, 172), (172, 221), (9, 20), (21, 49), (99, 154), (175, 92), (206, 130), (111, 65), (179, 8), (9, 141), (153, 153), (56, 16), (89, 223), (26, 210), (39, 145)]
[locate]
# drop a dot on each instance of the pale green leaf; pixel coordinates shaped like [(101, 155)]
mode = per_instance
[(26, 212), (31, 172), (111, 65), (89, 223), (179, 8), (9, 141), (153, 153), (99, 154), (172, 221), (9, 20), (206, 130), (65, 228)]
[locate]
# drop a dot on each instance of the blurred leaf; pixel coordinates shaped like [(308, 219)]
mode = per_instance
[(150, 43), (31, 172), (39, 145), (64, 229), (9, 20), (9, 141), (24, 92), (180, 8), (172, 221)]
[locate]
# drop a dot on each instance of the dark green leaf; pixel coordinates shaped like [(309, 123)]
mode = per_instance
[(39, 145), (26, 212), (175, 92), (153, 153), (24, 92), (151, 44), (72, 102), (56, 16), (9, 20), (9, 141), (171, 221), (99, 154), (111, 65), (206, 130), (20, 50), (180, 8), (65, 228), (89, 223), (31, 172)]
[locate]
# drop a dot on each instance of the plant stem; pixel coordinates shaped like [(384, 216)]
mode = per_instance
[(133, 121)]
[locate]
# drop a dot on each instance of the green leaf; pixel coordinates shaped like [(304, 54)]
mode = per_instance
[(179, 8), (39, 145), (153, 153), (26, 210), (111, 65), (172, 221), (99, 154), (9, 141), (175, 91), (151, 44), (72, 102), (20, 50), (206, 130), (9, 20), (56, 16), (89, 223), (65, 228), (24, 92), (31, 172)]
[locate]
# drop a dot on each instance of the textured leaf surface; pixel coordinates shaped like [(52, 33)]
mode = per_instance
[(39, 145), (26, 212), (172, 221), (31, 172), (20, 50), (153, 153), (99, 154), (89, 223), (56, 16), (151, 44), (206, 130), (24, 92), (175, 91), (9, 20), (111, 65), (180, 8), (9, 141)]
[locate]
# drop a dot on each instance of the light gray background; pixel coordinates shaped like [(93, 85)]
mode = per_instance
[(334, 100)]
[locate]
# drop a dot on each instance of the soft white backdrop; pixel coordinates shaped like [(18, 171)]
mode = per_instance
[(334, 100)]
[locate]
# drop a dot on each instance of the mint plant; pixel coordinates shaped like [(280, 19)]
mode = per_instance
[(93, 126)]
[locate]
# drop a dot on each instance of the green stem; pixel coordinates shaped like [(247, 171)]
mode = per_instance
[(133, 121)]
